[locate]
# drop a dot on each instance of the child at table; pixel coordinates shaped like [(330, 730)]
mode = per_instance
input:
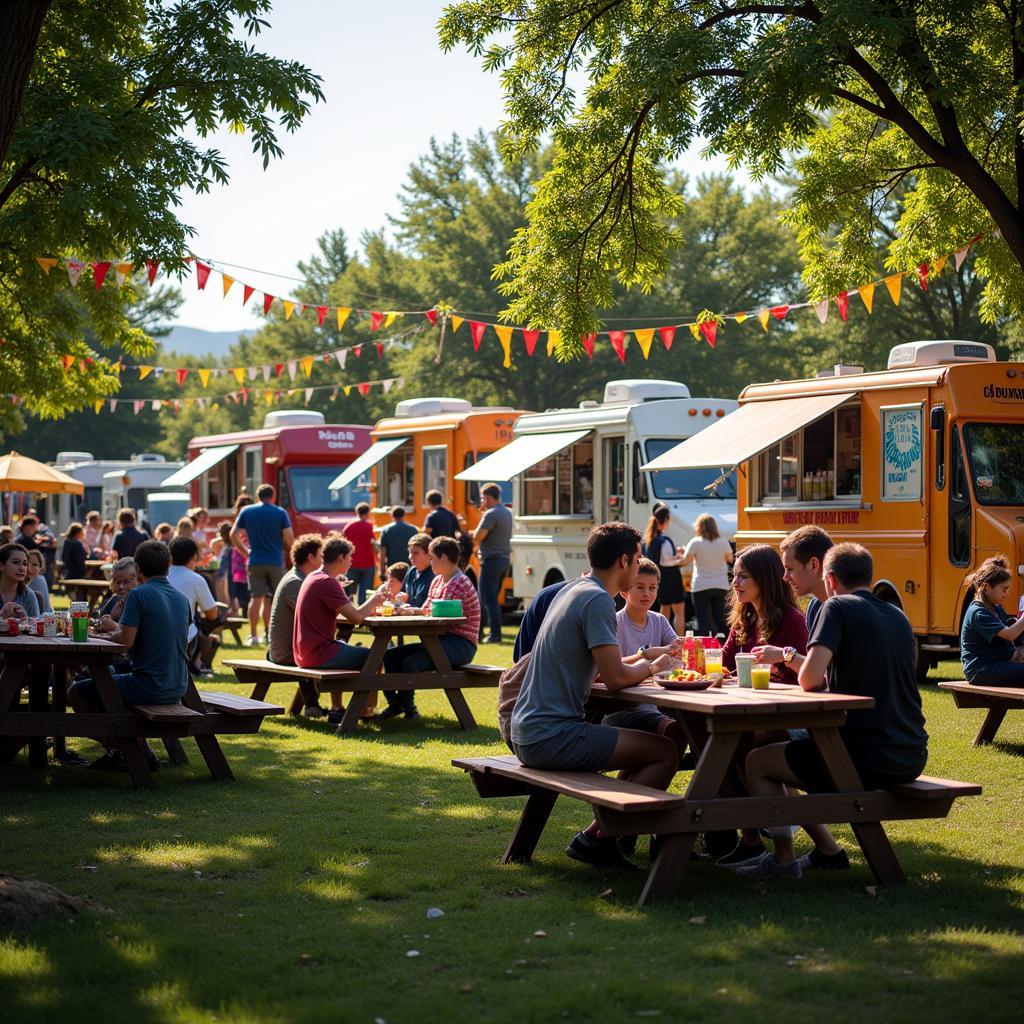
[(987, 638), (394, 581)]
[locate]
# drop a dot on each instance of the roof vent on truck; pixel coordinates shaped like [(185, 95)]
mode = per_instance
[(293, 418), (432, 406), (937, 353), (632, 392), (70, 458)]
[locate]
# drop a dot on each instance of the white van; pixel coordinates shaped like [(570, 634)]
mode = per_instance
[(130, 487), (574, 468)]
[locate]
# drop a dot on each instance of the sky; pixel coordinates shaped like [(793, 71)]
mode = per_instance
[(389, 89)]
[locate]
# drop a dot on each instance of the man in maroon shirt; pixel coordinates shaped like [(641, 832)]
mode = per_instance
[(364, 557), (321, 599)]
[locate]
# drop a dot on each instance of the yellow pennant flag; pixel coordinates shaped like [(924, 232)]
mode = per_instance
[(457, 322), (124, 269), (268, 396), (228, 282), (289, 308), (894, 282), (98, 406), (239, 372), (391, 318), (188, 402), (47, 263), (762, 319), (144, 372), (505, 337), (347, 389), (307, 365), (939, 264), (867, 294), (695, 331), (204, 377), (740, 317), (644, 339), (343, 312), (554, 337)]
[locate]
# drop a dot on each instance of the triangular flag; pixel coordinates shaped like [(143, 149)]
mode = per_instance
[(98, 406), (156, 405), (762, 319), (709, 328), (122, 270), (364, 389), (308, 394), (202, 274), (431, 315), (321, 313), (265, 370), (695, 331), (357, 351), (618, 340), (530, 341), (388, 385), (391, 317), (293, 365), (554, 338), (667, 334), (268, 301), (400, 383), (137, 406), (289, 308), (894, 283), (843, 302), (74, 268), (867, 294), (239, 372), (379, 346), (821, 308), (505, 338), (99, 273), (645, 338), (307, 365), (341, 355), (588, 341), (181, 374), (958, 257), (268, 396), (939, 263), (456, 323), (278, 369), (922, 276), (347, 389), (227, 282), (144, 372), (151, 268), (740, 317), (204, 377), (343, 312), (67, 362), (376, 319), (253, 370), (247, 293), (113, 404), (477, 329), (779, 312), (47, 263)]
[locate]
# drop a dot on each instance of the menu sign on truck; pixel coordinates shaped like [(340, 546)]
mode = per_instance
[(902, 453)]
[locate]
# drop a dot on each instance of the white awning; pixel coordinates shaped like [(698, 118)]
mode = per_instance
[(519, 455), (747, 432), (205, 460), (374, 454)]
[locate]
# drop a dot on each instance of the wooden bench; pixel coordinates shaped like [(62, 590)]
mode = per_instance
[(625, 808), (997, 699), (261, 673), (233, 623)]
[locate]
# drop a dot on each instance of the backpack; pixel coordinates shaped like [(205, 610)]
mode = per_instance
[(509, 685)]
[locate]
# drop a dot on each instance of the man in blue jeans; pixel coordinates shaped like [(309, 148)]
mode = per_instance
[(494, 539)]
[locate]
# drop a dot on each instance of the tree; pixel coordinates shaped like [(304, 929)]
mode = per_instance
[(109, 127), (871, 94)]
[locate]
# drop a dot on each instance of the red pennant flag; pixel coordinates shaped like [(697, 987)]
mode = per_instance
[(922, 275), (321, 312), (588, 344), (99, 273), (357, 351), (710, 331), (278, 368), (268, 301), (247, 294), (667, 334), (67, 362), (618, 340), (779, 312), (364, 389), (530, 341), (181, 375), (477, 329), (843, 302), (151, 269), (380, 349), (202, 274), (376, 319), (431, 315)]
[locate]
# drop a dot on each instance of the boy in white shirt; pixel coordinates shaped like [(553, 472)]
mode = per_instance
[(183, 577)]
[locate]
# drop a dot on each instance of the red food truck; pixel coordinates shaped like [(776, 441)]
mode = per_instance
[(296, 451)]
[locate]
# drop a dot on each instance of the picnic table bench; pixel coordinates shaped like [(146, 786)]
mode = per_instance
[(718, 724), (997, 699)]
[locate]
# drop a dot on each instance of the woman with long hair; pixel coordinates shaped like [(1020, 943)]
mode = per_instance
[(36, 579), (106, 538), (987, 638), (763, 610), (73, 553), (658, 547), (711, 555), (16, 600)]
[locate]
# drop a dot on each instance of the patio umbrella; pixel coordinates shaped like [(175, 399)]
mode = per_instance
[(20, 474)]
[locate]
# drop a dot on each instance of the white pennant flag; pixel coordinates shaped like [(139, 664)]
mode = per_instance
[(266, 368), (821, 308), (960, 255), (252, 372), (341, 355), (113, 405), (400, 383), (334, 394), (293, 365), (388, 384), (157, 405), (138, 404), (309, 395), (75, 268)]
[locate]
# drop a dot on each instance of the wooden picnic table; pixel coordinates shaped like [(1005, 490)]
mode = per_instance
[(94, 567), (90, 590)]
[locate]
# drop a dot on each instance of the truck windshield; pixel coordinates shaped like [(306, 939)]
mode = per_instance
[(310, 492), (686, 483), (996, 454)]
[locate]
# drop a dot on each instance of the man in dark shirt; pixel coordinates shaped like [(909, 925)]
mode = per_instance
[(870, 647), (440, 521), (394, 540), (416, 585), (128, 536), (532, 619), (26, 535)]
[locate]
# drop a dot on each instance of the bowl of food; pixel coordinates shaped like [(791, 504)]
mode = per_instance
[(687, 679), (446, 609)]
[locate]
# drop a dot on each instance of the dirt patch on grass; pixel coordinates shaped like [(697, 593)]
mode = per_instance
[(24, 901)]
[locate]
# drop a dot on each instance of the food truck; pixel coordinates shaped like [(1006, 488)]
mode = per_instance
[(296, 451), (922, 463), (573, 468), (421, 448)]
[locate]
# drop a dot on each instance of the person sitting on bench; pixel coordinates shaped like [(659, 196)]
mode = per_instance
[(987, 638), (578, 639), (872, 651)]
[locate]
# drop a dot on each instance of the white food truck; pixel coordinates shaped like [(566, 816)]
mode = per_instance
[(573, 468), (131, 487)]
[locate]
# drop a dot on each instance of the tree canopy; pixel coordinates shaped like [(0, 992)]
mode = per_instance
[(868, 95)]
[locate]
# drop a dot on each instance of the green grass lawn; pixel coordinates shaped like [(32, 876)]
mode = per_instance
[(299, 892)]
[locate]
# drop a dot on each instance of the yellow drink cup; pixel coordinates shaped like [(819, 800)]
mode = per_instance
[(760, 676), (387, 608), (713, 660)]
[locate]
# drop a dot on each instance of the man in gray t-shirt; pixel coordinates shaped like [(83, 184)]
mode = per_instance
[(578, 639), (493, 537)]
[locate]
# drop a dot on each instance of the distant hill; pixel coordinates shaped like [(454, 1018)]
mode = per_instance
[(196, 342)]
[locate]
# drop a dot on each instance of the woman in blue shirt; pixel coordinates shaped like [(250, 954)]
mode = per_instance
[(987, 638)]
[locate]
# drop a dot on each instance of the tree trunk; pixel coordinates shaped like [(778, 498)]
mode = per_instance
[(20, 22)]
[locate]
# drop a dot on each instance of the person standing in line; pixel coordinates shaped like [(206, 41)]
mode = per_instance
[(128, 537), (440, 521), (394, 539), (93, 533), (658, 547), (268, 534), (493, 538), (711, 555), (364, 551)]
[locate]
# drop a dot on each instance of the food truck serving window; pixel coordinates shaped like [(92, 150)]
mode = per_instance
[(996, 455), (435, 470), (685, 483), (473, 486), (562, 484), (311, 492), (399, 471)]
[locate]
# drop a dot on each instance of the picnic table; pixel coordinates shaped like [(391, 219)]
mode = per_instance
[(94, 567), (30, 661), (91, 590)]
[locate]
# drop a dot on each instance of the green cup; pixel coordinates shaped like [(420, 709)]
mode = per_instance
[(80, 629)]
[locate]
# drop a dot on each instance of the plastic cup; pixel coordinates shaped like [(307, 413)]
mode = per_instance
[(387, 608), (713, 660), (744, 667), (761, 676)]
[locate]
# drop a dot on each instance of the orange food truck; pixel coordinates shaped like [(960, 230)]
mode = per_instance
[(421, 448), (922, 463)]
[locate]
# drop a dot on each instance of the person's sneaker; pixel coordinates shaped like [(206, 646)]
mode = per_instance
[(252, 641), (313, 711), (411, 713), (205, 673), (766, 866), (742, 855), (391, 711), (598, 852), (335, 715), (818, 861), (111, 761)]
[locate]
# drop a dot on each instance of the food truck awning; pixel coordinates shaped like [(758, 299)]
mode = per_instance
[(518, 455), (205, 460), (374, 454), (747, 432)]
